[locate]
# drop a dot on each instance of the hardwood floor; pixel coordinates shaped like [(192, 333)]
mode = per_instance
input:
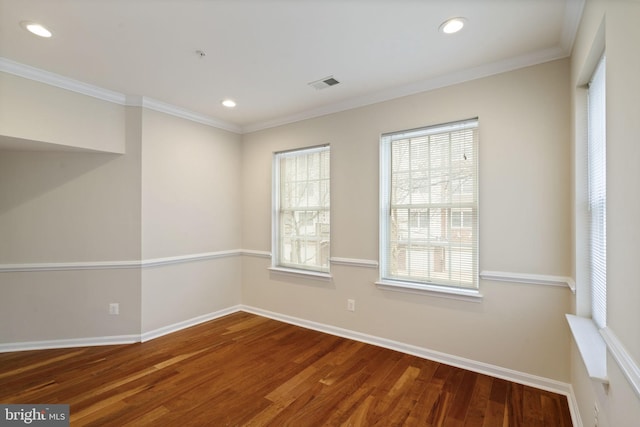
[(246, 370)]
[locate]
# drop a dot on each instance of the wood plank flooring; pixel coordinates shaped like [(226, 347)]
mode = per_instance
[(246, 370)]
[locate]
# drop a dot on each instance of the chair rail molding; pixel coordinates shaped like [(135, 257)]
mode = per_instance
[(532, 279)]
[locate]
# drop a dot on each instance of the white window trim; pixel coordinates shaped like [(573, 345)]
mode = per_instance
[(459, 293), (591, 345), (589, 338), (312, 274), (472, 295), (275, 226)]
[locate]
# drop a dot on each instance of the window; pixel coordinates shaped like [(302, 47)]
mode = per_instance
[(461, 218), (597, 171), (429, 206), (301, 222)]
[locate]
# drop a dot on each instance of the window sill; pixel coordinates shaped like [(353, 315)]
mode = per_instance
[(472, 295), (302, 273), (591, 345)]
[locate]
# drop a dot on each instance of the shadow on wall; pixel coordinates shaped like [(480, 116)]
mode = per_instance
[(27, 175)]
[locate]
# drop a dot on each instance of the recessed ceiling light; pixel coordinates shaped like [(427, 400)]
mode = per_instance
[(229, 103), (37, 29), (452, 25)]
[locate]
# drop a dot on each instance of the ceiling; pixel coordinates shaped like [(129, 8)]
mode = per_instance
[(263, 53)]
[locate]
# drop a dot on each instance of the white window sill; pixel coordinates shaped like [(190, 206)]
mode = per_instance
[(591, 345), (472, 295), (318, 275)]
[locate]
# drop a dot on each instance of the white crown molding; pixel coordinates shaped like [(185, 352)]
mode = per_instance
[(572, 16), (438, 82), (52, 79), (628, 366), (532, 279), (449, 79), (173, 110)]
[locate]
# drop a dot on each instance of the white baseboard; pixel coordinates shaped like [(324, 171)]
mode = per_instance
[(460, 362), (156, 333), (69, 343), (116, 339), (448, 359)]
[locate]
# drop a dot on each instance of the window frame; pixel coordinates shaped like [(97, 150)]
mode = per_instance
[(597, 193), (277, 263), (433, 287)]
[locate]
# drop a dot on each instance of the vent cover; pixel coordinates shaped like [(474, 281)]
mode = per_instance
[(324, 83)]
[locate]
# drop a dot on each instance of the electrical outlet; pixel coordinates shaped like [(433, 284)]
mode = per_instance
[(351, 305), (114, 308)]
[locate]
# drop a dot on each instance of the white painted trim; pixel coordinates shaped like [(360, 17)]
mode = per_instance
[(165, 330), (57, 80), (592, 347), (106, 265), (532, 279), (52, 79), (309, 274), (69, 343), (471, 295), (437, 82), (622, 357), (257, 254), (574, 409), (434, 83), (118, 339), (352, 262), (572, 16), (67, 266), (155, 262), (172, 110), (460, 362)]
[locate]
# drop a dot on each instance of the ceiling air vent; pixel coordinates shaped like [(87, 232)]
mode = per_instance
[(324, 83)]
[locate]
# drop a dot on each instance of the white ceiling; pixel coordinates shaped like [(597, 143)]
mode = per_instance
[(263, 53)]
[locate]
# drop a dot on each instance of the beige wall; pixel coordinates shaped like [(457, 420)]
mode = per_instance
[(524, 212), (38, 116), (190, 205), (62, 305), (175, 192), (69, 207), (620, 407), (182, 188)]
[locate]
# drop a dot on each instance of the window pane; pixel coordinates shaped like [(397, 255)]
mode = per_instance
[(597, 171), (430, 233), (303, 222)]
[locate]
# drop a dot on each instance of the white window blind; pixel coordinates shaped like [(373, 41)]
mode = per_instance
[(301, 224), (597, 195), (429, 205)]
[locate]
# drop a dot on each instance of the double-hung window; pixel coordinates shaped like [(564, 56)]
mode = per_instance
[(301, 209), (429, 206), (597, 174)]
